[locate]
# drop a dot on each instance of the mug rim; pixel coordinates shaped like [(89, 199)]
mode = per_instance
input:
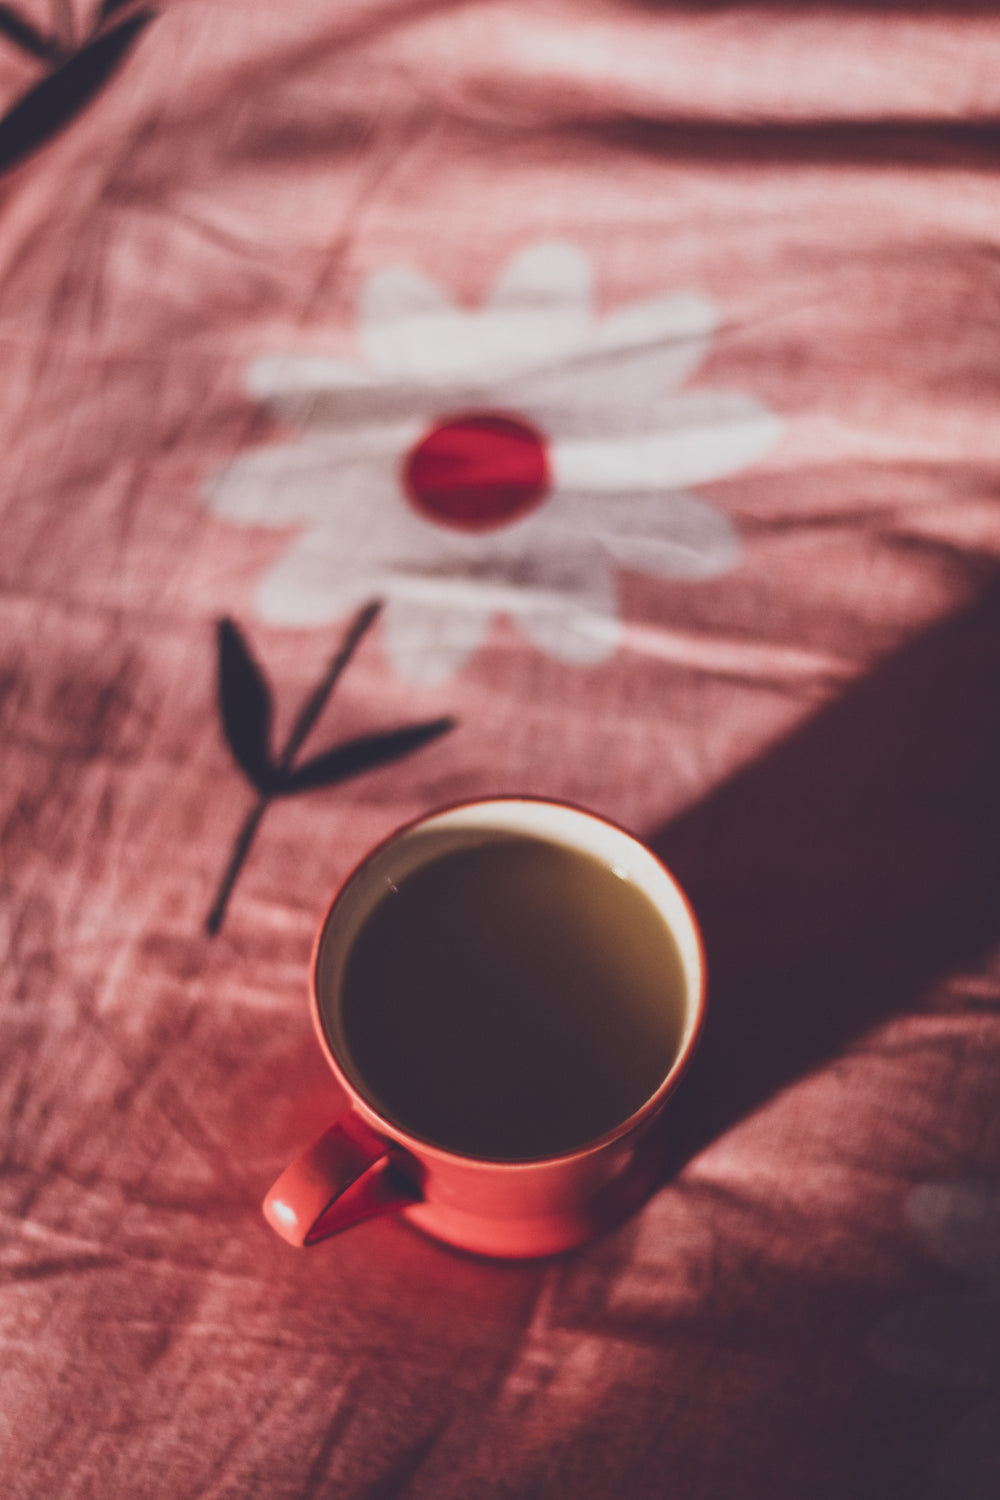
[(429, 1150)]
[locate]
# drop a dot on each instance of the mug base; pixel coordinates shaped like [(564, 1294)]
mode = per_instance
[(553, 1234)]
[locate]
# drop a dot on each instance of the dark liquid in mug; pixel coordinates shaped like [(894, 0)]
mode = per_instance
[(512, 1001)]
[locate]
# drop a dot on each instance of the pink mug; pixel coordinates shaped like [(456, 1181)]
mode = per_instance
[(508, 992)]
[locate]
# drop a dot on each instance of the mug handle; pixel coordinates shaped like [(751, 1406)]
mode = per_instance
[(341, 1179)]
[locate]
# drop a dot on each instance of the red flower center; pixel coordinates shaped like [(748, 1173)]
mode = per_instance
[(478, 472)]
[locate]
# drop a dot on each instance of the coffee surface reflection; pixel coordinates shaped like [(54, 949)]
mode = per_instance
[(511, 1001)]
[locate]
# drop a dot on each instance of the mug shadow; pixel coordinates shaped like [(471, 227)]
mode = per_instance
[(843, 873)]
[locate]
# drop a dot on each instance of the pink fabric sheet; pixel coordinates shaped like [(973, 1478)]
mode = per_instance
[(735, 270)]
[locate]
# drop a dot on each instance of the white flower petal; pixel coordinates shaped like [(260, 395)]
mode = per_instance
[(700, 436), (315, 392), (376, 545), (960, 1221), (328, 478), (310, 585), (671, 535), (949, 1340), (677, 327), (568, 601), (427, 643), (276, 375), (410, 330), (540, 310), (558, 585), (270, 487), (547, 277), (638, 354)]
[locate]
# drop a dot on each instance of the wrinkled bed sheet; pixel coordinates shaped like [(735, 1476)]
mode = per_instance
[(707, 298)]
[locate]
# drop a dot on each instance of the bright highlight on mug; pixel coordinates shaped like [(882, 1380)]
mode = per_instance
[(508, 991)]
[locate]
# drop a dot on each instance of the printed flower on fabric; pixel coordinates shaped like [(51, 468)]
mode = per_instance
[(507, 460), (954, 1340)]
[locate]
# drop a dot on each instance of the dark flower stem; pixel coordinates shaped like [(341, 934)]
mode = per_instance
[(308, 714), (314, 704), (241, 849)]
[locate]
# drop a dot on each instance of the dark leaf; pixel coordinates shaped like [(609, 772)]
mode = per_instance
[(61, 96), (21, 32), (363, 754), (245, 706)]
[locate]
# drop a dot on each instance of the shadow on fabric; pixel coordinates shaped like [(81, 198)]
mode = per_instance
[(842, 874)]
